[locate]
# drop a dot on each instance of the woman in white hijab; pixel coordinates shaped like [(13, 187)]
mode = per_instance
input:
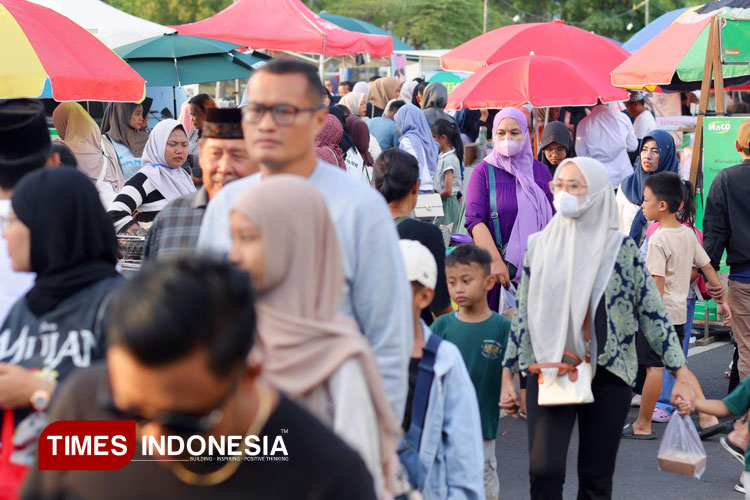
[(95, 155), (581, 275), (160, 179), (356, 102)]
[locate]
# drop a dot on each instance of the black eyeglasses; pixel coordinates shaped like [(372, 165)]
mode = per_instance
[(283, 114), (173, 422)]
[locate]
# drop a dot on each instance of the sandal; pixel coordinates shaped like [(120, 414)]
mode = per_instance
[(720, 428), (629, 433)]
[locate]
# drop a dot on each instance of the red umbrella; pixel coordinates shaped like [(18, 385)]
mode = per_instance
[(542, 81), (548, 39), (43, 49)]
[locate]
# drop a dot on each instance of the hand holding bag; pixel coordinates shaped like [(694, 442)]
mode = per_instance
[(572, 386)]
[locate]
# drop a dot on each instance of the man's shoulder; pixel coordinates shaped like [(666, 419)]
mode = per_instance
[(339, 186)]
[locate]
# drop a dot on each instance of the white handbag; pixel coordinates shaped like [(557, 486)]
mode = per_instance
[(572, 385)]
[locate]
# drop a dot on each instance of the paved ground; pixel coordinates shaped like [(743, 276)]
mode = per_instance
[(636, 476)]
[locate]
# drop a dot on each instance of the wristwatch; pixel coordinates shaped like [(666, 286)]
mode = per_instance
[(40, 400)]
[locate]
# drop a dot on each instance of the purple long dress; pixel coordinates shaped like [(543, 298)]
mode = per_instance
[(478, 204)]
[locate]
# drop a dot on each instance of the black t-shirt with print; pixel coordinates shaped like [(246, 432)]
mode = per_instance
[(320, 465)]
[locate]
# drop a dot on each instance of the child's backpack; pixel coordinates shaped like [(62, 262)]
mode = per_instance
[(408, 451)]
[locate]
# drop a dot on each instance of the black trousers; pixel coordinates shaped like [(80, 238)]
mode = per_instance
[(600, 427)]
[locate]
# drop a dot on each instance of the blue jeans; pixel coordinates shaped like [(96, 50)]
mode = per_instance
[(667, 382)]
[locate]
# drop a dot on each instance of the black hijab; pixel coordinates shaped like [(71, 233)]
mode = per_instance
[(346, 142), (556, 132), (73, 242)]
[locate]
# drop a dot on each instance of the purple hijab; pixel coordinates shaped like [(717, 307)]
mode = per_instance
[(412, 123), (534, 210)]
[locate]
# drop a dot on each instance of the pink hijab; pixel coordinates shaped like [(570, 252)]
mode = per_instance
[(302, 339), (327, 142), (534, 210)]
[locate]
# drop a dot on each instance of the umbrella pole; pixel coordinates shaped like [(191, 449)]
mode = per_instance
[(713, 63), (174, 102)]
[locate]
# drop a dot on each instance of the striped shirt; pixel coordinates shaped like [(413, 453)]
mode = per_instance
[(138, 194)]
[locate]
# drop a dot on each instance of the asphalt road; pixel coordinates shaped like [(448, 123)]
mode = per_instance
[(636, 475)]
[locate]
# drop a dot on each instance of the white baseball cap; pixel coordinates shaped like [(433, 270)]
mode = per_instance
[(419, 262)]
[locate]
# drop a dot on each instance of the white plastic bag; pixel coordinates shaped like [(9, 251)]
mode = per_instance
[(508, 302), (681, 450)]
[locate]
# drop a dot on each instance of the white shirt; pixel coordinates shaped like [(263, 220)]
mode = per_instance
[(376, 292), (425, 177), (607, 135), (13, 285), (643, 124)]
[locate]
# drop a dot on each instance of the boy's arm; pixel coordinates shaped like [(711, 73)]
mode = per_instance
[(659, 280), (714, 407)]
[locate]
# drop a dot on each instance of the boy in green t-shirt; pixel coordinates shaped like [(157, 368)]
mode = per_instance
[(481, 336), (737, 403)]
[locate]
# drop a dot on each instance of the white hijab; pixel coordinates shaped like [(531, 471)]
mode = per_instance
[(571, 262), (171, 182)]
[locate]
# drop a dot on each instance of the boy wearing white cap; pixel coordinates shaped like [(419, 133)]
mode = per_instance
[(442, 413)]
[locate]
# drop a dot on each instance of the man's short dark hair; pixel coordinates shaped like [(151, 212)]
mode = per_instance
[(288, 66), (396, 105), (177, 306), (468, 254), (346, 83), (373, 78), (67, 158)]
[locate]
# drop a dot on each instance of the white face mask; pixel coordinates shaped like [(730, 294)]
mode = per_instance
[(567, 204), (509, 147)]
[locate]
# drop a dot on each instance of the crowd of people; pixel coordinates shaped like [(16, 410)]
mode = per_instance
[(286, 284)]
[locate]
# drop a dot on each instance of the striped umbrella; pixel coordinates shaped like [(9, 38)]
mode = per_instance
[(674, 58), (40, 47)]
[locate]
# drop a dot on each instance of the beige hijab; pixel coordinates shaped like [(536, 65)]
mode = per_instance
[(81, 134), (382, 90), (302, 339)]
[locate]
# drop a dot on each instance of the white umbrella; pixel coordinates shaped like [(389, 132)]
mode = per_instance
[(110, 25)]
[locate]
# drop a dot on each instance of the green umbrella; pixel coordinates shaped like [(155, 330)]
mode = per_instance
[(351, 24), (173, 60)]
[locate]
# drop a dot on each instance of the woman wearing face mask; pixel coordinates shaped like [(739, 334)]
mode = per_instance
[(160, 180), (580, 274), (657, 155), (513, 186)]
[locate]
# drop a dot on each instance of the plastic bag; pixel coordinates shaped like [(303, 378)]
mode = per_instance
[(681, 450), (508, 302)]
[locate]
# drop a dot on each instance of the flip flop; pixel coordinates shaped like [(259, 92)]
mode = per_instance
[(628, 433), (720, 428)]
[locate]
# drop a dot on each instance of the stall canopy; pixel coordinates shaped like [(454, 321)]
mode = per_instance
[(285, 25), (352, 24), (110, 25)]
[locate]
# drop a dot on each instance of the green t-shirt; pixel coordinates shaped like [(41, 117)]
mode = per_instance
[(482, 346), (738, 403)]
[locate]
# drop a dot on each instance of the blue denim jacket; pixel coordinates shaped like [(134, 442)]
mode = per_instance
[(450, 452)]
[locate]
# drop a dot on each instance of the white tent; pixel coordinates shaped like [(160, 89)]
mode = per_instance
[(110, 25)]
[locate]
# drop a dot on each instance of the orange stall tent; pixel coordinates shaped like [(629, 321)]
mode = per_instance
[(286, 26)]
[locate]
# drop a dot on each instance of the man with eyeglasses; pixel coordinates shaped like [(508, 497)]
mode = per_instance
[(178, 368), (283, 115)]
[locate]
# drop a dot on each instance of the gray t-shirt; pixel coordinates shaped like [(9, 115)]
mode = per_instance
[(448, 161)]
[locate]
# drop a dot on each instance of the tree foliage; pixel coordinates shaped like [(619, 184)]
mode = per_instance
[(431, 24), (170, 12)]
